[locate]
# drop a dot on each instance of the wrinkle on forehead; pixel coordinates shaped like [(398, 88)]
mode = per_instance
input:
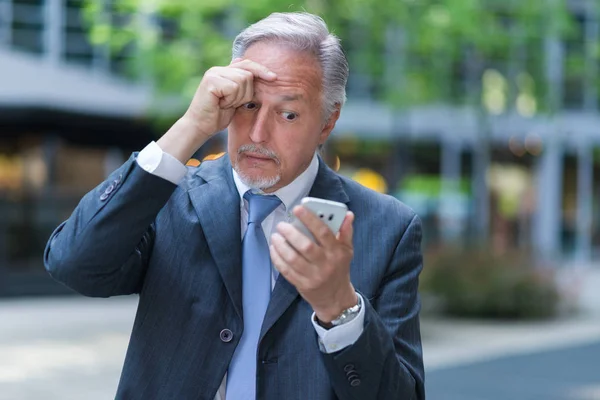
[(285, 92), (298, 72)]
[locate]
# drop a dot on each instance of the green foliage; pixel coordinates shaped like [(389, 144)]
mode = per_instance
[(431, 185), (175, 41), (478, 284)]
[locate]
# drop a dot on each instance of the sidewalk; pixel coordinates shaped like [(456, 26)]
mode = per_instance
[(455, 342), (451, 343), (73, 348)]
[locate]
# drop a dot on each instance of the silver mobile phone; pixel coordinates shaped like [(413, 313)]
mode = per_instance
[(330, 212)]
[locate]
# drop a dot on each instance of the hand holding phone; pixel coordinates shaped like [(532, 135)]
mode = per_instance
[(330, 212)]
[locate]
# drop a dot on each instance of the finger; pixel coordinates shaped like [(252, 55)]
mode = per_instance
[(239, 77), (247, 94), (223, 89), (347, 230), (284, 269), (289, 254), (321, 232), (258, 70), (236, 60), (299, 241), (244, 79)]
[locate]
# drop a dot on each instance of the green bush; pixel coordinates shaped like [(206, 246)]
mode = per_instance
[(478, 284)]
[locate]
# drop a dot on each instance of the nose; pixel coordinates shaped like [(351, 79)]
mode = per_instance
[(260, 130)]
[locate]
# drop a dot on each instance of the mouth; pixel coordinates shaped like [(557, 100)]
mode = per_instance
[(258, 158)]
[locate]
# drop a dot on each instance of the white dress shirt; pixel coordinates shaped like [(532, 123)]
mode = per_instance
[(155, 161)]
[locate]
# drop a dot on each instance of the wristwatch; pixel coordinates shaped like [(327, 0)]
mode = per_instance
[(348, 314)]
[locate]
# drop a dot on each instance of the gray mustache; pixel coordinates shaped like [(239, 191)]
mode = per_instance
[(258, 150)]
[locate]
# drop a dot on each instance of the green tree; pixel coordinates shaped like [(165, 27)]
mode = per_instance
[(429, 42), (487, 54)]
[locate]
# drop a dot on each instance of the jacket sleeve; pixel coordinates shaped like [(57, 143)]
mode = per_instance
[(103, 248), (386, 361)]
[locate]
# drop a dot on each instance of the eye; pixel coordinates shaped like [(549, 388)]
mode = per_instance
[(289, 116), (250, 106)]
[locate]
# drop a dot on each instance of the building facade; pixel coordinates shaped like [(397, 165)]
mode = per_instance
[(68, 118)]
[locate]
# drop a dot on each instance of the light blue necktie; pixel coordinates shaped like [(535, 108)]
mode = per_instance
[(256, 292)]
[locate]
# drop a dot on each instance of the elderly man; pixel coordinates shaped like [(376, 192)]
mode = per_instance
[(235, 302)]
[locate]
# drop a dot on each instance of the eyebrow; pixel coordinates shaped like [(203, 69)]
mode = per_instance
[(290, 97)]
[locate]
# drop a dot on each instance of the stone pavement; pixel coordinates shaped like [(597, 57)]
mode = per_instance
[(569, 373), (73, 348), (63, 348), (451, 342)]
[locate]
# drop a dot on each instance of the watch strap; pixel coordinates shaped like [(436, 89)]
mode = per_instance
[(348, 314)]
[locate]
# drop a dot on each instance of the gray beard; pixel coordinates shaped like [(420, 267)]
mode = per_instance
[(260, 183)]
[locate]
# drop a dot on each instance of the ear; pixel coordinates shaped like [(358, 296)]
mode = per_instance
[(330, 124)]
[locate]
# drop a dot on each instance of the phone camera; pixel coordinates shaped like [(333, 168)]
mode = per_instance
[(330, 217), (321, 215)]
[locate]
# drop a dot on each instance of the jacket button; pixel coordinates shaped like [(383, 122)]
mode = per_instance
[(355, 382), (108, 191), (348, 367), (352, 376), (226, 335)]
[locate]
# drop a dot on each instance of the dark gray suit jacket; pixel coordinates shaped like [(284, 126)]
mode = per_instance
[(179, 248)]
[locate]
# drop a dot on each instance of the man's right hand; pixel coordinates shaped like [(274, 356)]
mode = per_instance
[(221, 91)]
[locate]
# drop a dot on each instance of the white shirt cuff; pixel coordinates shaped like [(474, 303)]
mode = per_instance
[(340, 337), (155, 161)]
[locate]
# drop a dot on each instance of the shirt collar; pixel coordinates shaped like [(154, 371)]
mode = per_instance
[(291, 194)]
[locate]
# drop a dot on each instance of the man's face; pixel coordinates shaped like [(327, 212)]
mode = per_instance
[(273, 138)]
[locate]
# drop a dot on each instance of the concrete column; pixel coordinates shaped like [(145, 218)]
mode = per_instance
[(395, 76), (480, 190), (54, 31), (451, 163), (548, 221), (395, 58), (452, 205), (101, 53), (592, 33), (50, 148), (585, 193), (549, 183), (6, 22)]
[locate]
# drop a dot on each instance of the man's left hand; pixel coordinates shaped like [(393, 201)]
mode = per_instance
[(320, 271)]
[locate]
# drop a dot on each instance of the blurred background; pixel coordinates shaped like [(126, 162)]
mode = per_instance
[(482, 115)]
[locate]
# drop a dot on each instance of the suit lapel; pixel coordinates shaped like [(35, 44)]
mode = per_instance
[(217, 204), (327, 186)]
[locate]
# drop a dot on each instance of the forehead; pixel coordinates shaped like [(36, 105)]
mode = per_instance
[(298, 73)]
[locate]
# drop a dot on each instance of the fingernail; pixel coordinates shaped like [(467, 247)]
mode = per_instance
[(271, 74)]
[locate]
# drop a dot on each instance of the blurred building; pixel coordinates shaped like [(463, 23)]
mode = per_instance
[(537, 171), (66, 120), (68, 117)]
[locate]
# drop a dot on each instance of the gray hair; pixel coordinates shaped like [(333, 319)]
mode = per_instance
[(303, 32)]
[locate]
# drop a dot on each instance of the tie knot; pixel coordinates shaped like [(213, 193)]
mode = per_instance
[(259, 206)]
